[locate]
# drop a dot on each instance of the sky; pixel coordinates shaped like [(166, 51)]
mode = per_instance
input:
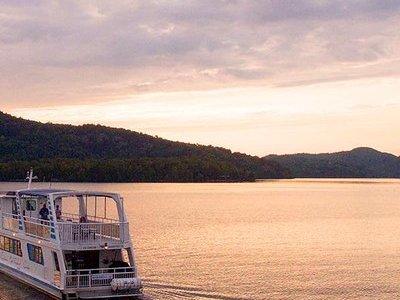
[(261, 77)]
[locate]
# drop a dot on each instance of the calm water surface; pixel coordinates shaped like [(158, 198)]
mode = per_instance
[(301, 239)]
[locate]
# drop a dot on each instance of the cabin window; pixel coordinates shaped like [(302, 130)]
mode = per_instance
[(10, 245), (35, 254), (30, 205), (14, 209)]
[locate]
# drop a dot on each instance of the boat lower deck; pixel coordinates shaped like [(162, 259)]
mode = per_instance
[(104, 292)]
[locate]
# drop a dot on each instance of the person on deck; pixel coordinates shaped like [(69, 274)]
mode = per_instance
[(44, 212), (58, 212)]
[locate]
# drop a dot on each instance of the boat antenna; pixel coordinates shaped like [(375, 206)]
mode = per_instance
[(30, 177)]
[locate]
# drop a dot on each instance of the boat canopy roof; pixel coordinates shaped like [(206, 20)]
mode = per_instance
[(43, 192), (58, 192)]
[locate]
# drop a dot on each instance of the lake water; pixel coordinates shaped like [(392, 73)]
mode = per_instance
[(303, 239)]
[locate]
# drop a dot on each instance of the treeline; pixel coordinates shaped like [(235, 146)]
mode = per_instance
[(358, 163), (103, 154), (189, 169)]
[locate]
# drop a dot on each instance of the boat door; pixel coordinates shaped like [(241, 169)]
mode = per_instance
[(52, 271), (56, 269)]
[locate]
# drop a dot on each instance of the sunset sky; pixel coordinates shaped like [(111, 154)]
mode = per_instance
[(259, 77)]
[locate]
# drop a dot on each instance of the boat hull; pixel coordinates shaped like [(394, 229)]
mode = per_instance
[(31, 281)]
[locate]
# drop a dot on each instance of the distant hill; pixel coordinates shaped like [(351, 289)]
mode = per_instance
[(357, 163), (105, 154)]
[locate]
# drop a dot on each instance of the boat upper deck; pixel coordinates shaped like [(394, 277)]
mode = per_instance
[(76, 220)]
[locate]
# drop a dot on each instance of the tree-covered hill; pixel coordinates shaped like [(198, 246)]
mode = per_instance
[(105, 154), (357, 163)]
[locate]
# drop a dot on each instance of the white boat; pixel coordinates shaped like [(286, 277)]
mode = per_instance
[(85, 253)]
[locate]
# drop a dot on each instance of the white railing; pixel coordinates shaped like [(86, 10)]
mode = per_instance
[(68, 217), (88, 278), (33, 226), (88, 234), (71, 232), (37, 227), (10, 222)]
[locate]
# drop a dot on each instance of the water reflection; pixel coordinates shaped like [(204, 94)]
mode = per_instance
[(307, 239)]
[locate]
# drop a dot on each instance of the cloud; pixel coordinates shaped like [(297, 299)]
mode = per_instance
[(88, 51), (321, 117)]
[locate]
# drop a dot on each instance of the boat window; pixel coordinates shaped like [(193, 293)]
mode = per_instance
[(14, 207), (30, 204), (56, 264), (10, 245), (91, 208), (35, 254)]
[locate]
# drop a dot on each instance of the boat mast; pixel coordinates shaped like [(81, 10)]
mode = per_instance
[(30, 177)]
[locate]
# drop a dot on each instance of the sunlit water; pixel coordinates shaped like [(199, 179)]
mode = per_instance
[(302, 239)]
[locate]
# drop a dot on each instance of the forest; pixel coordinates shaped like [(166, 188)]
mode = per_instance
[(360, 162), (96, 153)]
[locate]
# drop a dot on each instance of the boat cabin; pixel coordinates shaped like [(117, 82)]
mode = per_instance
[(82, 236)]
